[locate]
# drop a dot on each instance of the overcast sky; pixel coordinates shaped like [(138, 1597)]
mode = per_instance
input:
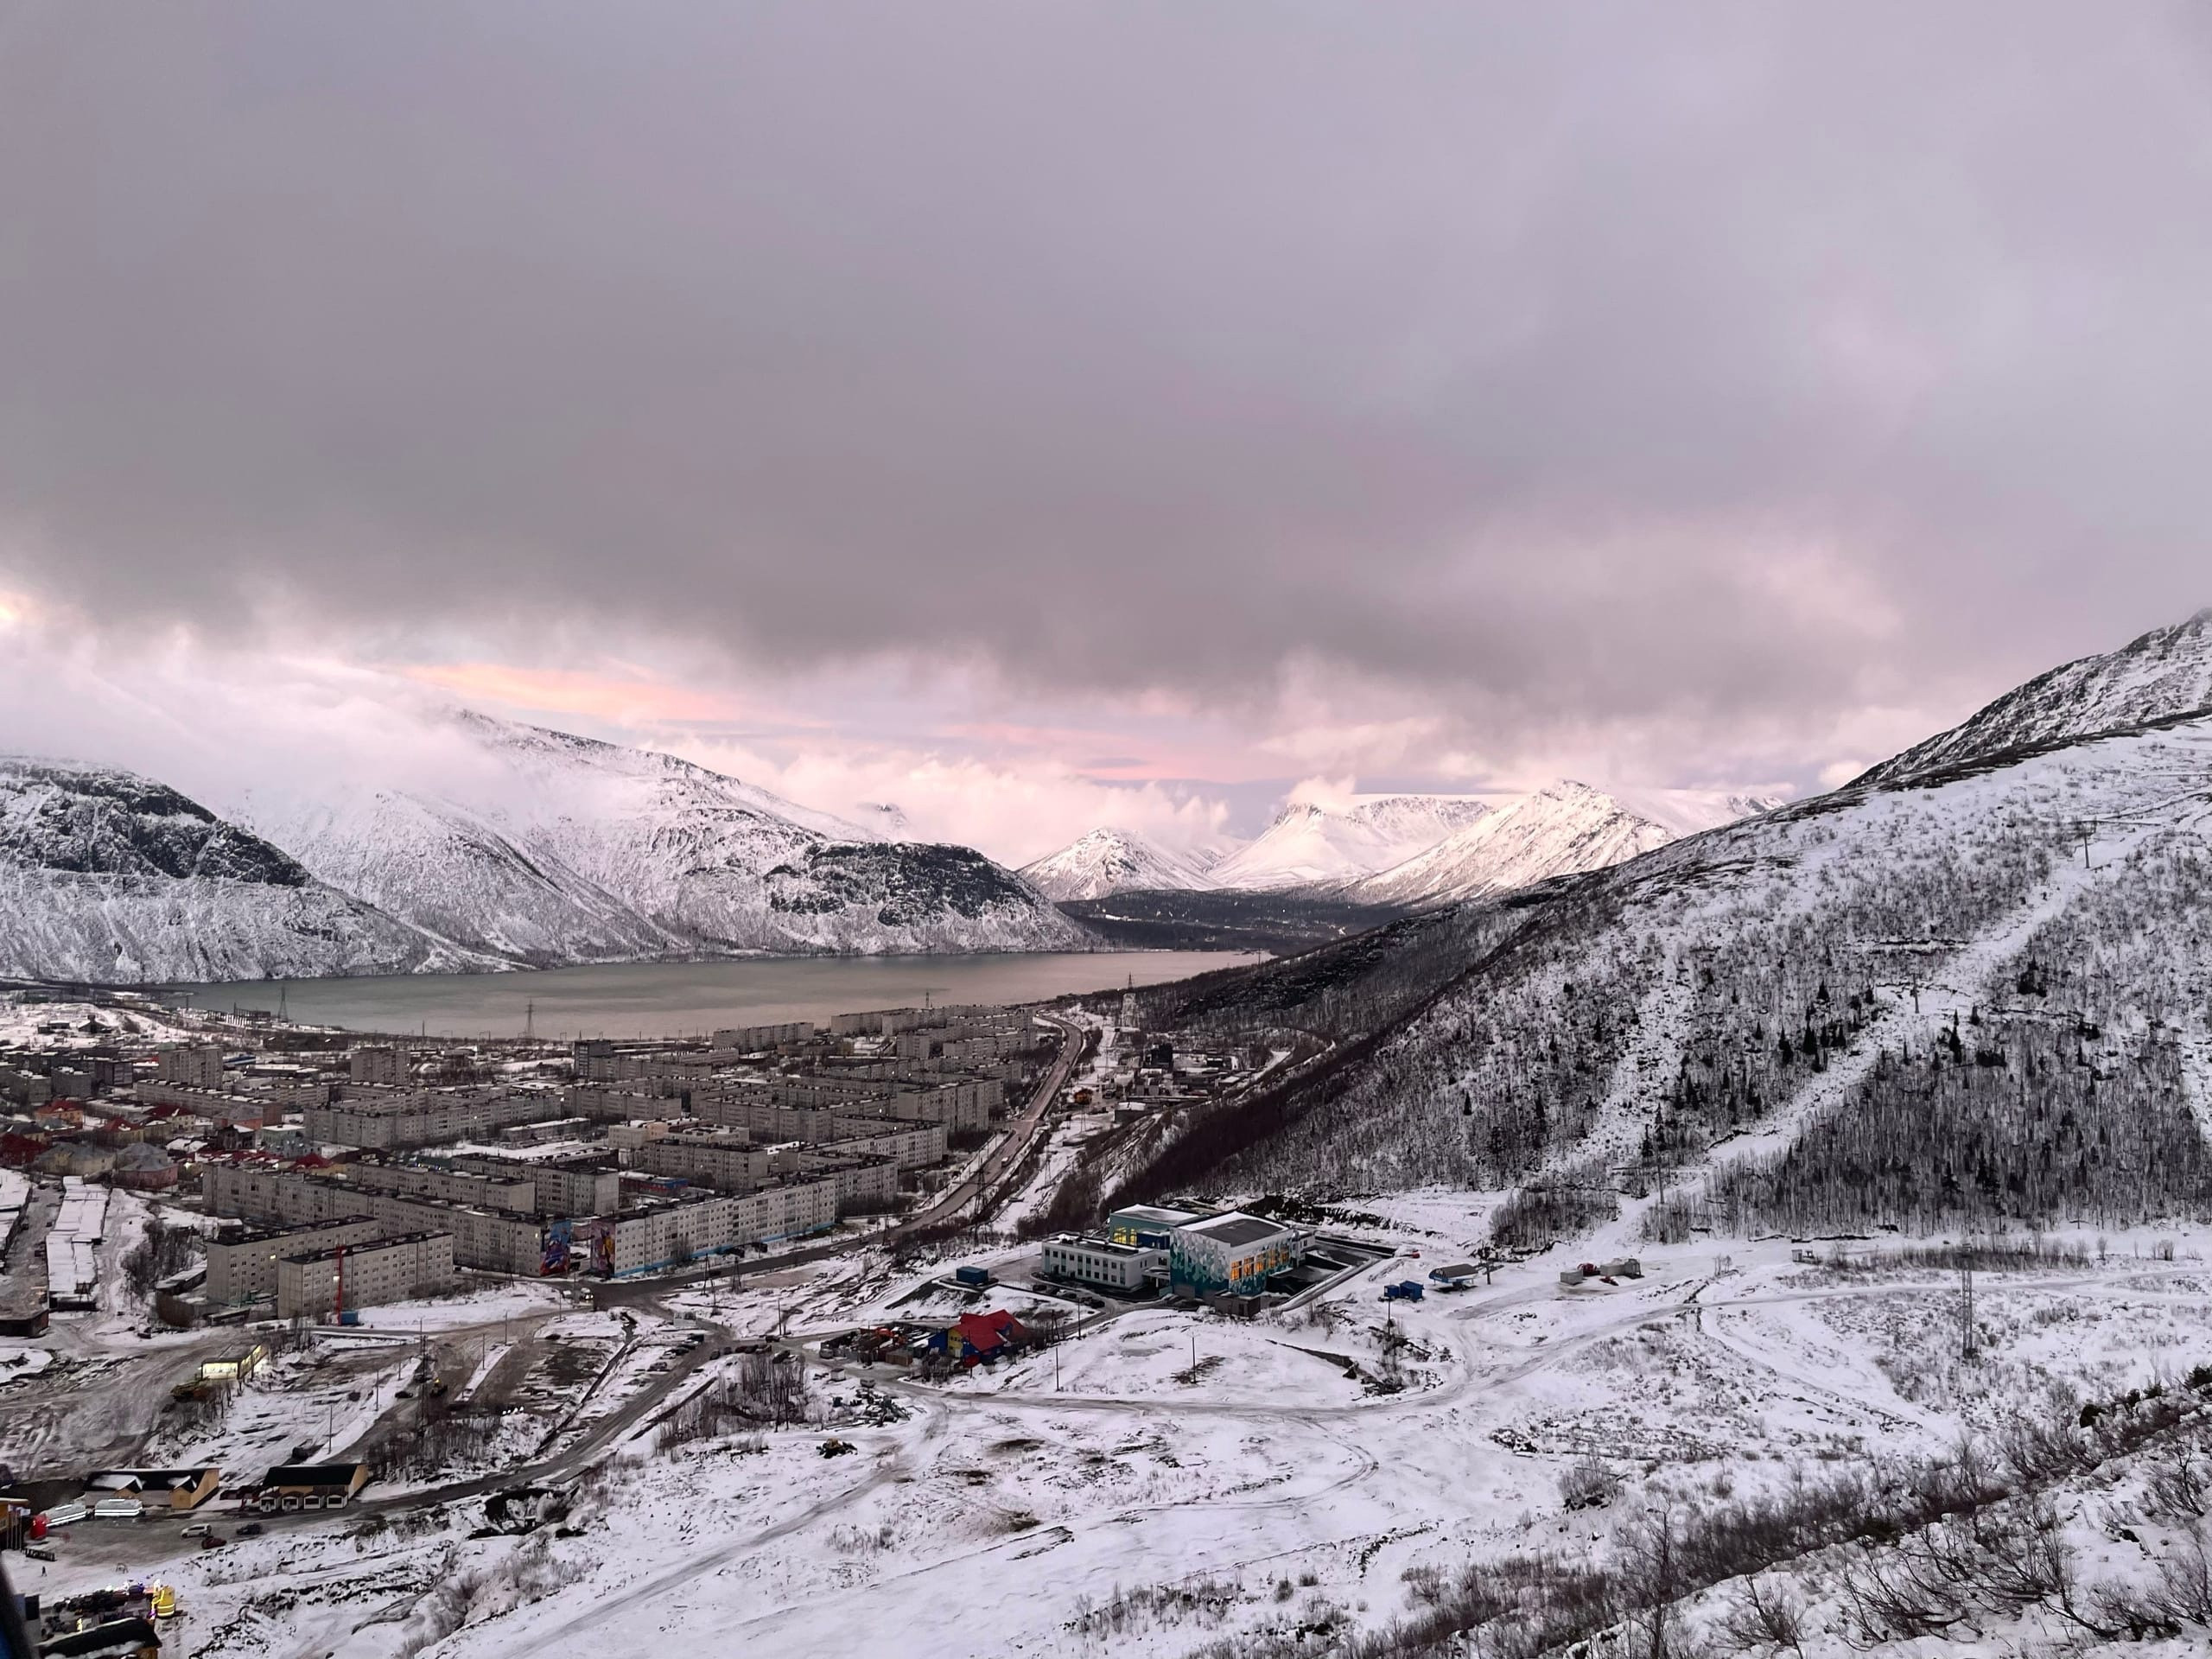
[(1004, 407)]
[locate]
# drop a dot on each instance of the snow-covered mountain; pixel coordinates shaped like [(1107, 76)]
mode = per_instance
[(1972, 991), (2164, 674), (541, 848), (1108, 862), (1314, 845), (1560, 830), (109, 877)]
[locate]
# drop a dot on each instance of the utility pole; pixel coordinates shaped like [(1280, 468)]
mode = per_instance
[(1966, 1350)]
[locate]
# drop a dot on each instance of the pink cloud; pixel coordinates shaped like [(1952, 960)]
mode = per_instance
[(552, 690)]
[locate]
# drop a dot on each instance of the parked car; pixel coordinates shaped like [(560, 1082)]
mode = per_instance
[(213, 1540)]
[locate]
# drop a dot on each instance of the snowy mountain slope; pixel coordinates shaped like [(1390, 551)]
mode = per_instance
[(2164, 674), (1311, 845), (1913, 1006), (109, 877), (542, 848), (1561, 828), (1108, 862), (545, 760), (454, 874)]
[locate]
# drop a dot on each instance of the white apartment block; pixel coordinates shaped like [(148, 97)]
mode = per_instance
[(245, 1269), (321, 1284)]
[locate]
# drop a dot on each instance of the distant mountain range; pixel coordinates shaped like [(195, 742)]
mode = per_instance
[(1402, 852), (537, 848), (1311, 846), (1561, 829)]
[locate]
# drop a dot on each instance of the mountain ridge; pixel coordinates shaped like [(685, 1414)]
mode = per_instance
[(547, 847), (109, 877), (1920, 1002), (1563, 827)]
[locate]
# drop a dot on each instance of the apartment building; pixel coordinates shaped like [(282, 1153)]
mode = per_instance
[(755, 1039), (244, 1269), (512, 1192), (725, 1160), (858, 1180), (398, 1268), (485, 1239), (198, 1065), (599, 1103), (587, 1184), (385, 1119), (666, 1233), (380, 1063), (790, 1208), (216, 1105)]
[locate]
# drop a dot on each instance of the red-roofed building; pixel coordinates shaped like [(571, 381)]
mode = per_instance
[(984, 1336)]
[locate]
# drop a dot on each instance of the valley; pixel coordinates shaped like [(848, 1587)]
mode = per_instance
[(1790, 1236)]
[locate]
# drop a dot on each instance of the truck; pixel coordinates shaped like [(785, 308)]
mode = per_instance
[(976, 1277), (1406, 1290)]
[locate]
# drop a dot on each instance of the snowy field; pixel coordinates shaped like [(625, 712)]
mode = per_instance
[(1168, 1483)]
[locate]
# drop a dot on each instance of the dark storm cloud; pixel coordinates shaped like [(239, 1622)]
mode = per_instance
[(1731, 357)]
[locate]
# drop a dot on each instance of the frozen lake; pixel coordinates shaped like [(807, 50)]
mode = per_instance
[(666, 999)]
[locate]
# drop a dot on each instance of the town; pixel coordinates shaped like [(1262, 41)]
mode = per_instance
[(311, 1238)]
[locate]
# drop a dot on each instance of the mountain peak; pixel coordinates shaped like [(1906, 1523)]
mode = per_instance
[(2158, 677), (1107, 860)]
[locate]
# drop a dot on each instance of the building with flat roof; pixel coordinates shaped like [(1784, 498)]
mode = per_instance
[(243, 1268), (322, 1284), (1235, 1253), (1080, 1260), (1147, 1225)]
